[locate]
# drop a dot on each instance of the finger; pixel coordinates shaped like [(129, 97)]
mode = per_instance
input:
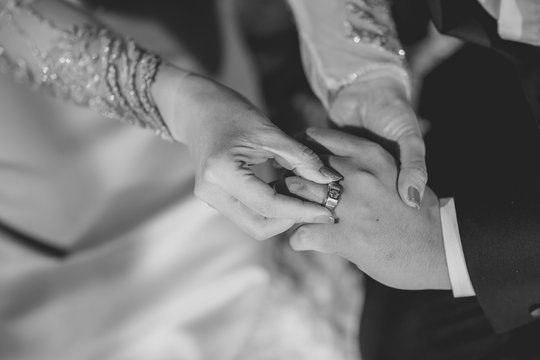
[(314, 237), (260, 197), (367, 155), (255, 225), (297, 157), (372, 159), (313, 145), (338, 142), (306, 189), (413, 174), (323, 239)]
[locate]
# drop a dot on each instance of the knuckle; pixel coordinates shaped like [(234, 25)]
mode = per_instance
[(343, 165), (417, 171), (367, 183), (266, 209), (417, 142), (306, 154), (414, 144), (365, 178), (201, 191), (370, 146), (208, 174), (210, 171)]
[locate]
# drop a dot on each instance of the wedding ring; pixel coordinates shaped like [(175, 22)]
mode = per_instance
[(333, 196)]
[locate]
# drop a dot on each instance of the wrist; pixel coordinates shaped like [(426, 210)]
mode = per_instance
[(168, 81), (370, 97), (381, 86), (188, 100)]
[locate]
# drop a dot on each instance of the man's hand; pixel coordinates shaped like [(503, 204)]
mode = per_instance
[(395, 244), (381, 106)]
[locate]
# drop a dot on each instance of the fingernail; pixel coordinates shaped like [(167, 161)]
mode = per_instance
[(325, 220), (330, 174), (414, 196)]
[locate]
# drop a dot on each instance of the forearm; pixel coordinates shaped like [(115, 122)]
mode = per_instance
[(344, 42), (53, 46)]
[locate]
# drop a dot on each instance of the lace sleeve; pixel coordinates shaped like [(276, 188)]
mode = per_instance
[(344, 41), (51, 45)]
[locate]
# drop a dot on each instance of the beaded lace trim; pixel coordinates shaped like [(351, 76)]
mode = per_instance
[(365, 23), (369, 22), (89, 66)]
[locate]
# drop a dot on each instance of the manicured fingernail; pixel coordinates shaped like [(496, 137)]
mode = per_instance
[(330, 174), (414, 196), (325, 220)]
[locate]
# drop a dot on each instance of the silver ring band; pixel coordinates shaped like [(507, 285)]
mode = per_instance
[(333, 196)]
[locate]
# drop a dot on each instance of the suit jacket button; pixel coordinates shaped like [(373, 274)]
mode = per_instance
[(535, 311)]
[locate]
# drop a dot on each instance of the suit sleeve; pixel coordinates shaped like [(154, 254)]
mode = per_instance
[(501, 243)]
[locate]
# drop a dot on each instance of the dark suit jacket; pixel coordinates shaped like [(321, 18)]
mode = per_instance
[(492, 164)]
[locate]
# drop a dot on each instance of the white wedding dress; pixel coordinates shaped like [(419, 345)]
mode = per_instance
[(152, 273)]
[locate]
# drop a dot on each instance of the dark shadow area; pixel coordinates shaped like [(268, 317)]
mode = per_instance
[(195, 23), (270, 35)]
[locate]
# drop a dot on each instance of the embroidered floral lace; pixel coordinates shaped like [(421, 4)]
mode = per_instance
[(85, 64), (344, 41), (369, 22)]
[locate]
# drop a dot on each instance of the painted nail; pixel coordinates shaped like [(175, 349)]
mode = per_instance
[(330, 174), (414, 196), (325, 220)]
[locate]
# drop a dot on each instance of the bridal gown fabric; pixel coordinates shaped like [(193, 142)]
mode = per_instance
[(152, 272)]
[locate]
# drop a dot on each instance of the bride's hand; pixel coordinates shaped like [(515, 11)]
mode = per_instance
[(395, 244), (380, 105), (226, 134)]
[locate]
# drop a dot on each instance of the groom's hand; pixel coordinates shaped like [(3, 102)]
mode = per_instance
[(395, 244), (381, 106)]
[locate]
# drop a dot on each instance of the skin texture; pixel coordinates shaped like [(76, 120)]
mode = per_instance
[(226, 135), (397, 245), (381, 105)]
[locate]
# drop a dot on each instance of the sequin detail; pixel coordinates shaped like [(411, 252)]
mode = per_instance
[(368, 22), (89, 66)]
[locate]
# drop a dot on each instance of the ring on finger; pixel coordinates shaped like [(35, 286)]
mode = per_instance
[(333, 196)]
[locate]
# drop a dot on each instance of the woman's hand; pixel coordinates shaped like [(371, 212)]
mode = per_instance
[(395, 244), (226, 135), (380, 105)]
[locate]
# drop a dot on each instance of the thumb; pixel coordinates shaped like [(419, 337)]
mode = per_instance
[(297, 157), (413, 174)]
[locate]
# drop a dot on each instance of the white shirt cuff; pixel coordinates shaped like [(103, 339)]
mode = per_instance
[(455, 258)]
